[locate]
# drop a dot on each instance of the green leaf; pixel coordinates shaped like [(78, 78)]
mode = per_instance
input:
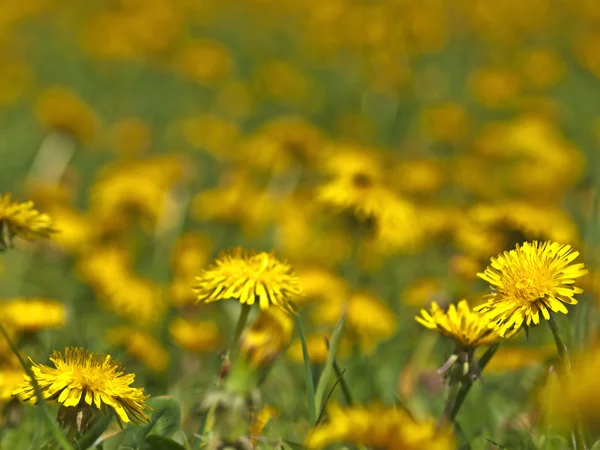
[(164, 421), (328, 369), (165, 417), (156, 442), (308, 379), (596, 446)]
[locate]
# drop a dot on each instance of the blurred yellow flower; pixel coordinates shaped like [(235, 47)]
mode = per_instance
[(533, 221), (236, 200), (567, 401), (130, 137), (316, 344), (10, 379), (259, 422), (203, 61), (190, 253), (133, 297), (137, 188), (468, 329), (423, 292), (210, 133), (267, 338), (392, 218), (31, 314), (23, 220), (283, 81), (59, 109), (141, 346), (320, 284), (542, 67), (447, 122), (76, 229), (495, 88), (249, 277), (511, 358), (368, 319), (282, 145), (534, 277), (304, 236), (378, 426), (82, 378), (194, 336), (418, 176)]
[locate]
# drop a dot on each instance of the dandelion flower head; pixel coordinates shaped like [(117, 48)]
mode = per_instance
[(249, 277), (534, 278), (80, 378), (22, 219), (468, 329)]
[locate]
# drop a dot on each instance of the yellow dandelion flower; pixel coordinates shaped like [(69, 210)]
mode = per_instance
[(22, 219), (194, 336), (566, 401), (249, 277), (381, 427), (267, 338), (468, 329), (531, 279), (59, 109), (82, 378), (31, 314), (141, 346)]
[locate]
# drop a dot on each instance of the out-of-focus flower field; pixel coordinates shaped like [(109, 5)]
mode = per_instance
[(247, 204)]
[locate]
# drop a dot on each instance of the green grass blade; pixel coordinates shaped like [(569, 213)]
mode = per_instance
[(308, 379), (56, 432), (328, 369)]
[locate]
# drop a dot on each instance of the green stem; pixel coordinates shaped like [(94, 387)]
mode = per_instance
[(450, 402), (563, 354), (72, 431), (468, 381), (239, 328), (343, 383)]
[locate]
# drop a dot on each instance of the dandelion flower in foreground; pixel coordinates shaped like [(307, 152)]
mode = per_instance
[(22, 219), (380, 427), (249, 277), (466, 328), (531, 279), (82, 378)]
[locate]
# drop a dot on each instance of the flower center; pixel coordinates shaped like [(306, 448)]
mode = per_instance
[(362, 180)]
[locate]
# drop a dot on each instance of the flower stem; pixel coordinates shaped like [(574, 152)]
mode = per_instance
[(563, 354), (239, 328), (450, 402), (468, 382)]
